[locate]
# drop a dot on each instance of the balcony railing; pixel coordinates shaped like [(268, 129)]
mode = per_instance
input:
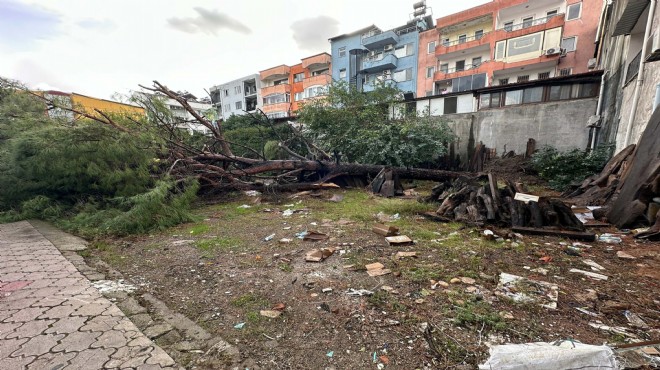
[(633, 67), (463, 40), (530, 23), (276, 89), (467, 67), (380, 62)]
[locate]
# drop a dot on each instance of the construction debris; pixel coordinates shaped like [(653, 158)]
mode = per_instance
[(270, 313), (398, 240), (400, 255), (590, 274), (359, 292), (521, 289), (384, 230), (315, 236), (318, 255), (377, 269)]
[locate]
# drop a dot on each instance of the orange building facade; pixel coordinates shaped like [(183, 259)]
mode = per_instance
[(508, 41), (284, 88)]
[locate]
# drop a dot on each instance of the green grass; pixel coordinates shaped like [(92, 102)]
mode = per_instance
[(249, 301), (199, 229), (421, 274), (478, 314), (285, 267), (209, 247)]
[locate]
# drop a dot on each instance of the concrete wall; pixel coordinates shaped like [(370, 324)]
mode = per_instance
[(425, 60), (558, 124), (234, 97)]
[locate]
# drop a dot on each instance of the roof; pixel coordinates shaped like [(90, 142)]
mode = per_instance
[(106, 100), (630, 16), (315, 55), (360, 31)]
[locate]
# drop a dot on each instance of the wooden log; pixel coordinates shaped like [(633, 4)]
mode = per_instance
[(575, 235), (492, 183)]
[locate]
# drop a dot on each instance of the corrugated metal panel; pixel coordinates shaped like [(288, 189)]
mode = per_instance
[(630, 16)]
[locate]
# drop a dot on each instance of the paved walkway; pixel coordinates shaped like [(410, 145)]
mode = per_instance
[(52, 318)]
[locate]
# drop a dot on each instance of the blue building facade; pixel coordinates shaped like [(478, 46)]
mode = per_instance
[(370, 56)]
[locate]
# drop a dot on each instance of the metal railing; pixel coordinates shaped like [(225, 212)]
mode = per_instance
[(633, 67), (377, 57), (397, 31), (467, 67), (530, 23), (463, 40)]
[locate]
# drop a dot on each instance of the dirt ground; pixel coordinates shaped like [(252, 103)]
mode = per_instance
[(221, 272)]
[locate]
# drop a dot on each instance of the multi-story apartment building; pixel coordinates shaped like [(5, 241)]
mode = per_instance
[(508, 41), (370, 55), (237, 97), (284, 88)]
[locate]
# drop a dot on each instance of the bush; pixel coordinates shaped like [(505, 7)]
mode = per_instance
[(561, 169)]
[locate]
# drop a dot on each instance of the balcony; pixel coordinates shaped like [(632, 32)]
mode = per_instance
[(274, 73), (277, 89), (319, 80), (277, 107), (380, 40), (317, 61), (448, 49), (533, 26), (470, 69), (379, 63)]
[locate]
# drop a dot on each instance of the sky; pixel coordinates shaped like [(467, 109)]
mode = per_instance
[(100, 48)]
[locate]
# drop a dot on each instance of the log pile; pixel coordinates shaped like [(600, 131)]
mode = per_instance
[(479, 202)]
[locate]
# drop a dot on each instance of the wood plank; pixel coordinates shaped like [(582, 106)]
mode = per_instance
[(577, 235)]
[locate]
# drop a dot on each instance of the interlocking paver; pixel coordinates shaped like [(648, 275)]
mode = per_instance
[(58, 320)]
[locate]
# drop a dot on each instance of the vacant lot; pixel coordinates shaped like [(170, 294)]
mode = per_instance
[(221, 272)]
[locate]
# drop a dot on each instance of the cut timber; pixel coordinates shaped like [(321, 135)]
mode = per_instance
[(589, 237), (383, 230), (399, 240), (526, 197)]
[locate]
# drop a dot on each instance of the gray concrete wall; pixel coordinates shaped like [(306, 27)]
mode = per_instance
[(562, 125)]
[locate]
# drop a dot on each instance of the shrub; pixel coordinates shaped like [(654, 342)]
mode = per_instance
[(561, 169)]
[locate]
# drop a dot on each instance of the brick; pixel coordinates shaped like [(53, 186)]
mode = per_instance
[(52, 361), (31, 329), (17, 362), (7, 328), (38, 345), (67, 325), (159, 357), (92, 309), (101, 323)]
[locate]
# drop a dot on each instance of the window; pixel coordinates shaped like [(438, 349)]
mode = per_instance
[(569, 43), (429, 93), (451, 105), (573, 11), (462, 39), (276, 98), (445, 41), (314, 91), (478, 34), (403, 75), (508, 26), (342, 73), (551, 13), (533, 94), (559, 92), (484, 101), (281, 82), (495, 100), (523, 78), (528, 22), (565, 72), (227, 108), (404, 50), (298, 96), (460, 65), (513, 97), (239, 105), (319, 72), (500, 48), (504, 81), (544, 75), (237, 89), (429, 72), (444, 68), (476, 62), (298, 77), (226, 92), (342, 51), (430, 48)]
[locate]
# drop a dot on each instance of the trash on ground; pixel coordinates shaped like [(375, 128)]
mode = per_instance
[(270, 313), (590, 274), (609, 238), (301, 234), (573, 251), (359, 292), (400, 255), (269, 237), (625, 256), (315, 236), (377, 269), (382, 217), (546, 259), (287, 212), (240, 325), (252, 193), (526, 198), (111, 286), (330, 353), (612, 329), (587, 312), (566, 354), (285, 241), (594, 266), (399, 240), (326, 290), (521, 289), (540, 270), (244, 206), (318, 255), (384, 230), (279, 307), (635, 320), (336, 198)]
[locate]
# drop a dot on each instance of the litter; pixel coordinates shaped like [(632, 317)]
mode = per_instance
[(111, 286), (336, 198), (573, 251), (400, 255), (301, 234), (590, 274), (540, 270), (269, 237), (609, 238), (285, 241), (377, 269), (594, 266), (635, 320), (359, 292), (244, 206), (587, 312), (526, 198), (546, 259), (550, 356), (384, 230), (612, 329), (625, 256), (318, 255), (270, 313), (330, 353), (326, 290), (521, 289), (399, 240), (240, 325), (279, 307), (314, 236), (287, 212), (252, 193)]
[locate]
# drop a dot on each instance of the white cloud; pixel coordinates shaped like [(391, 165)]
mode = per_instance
[(209, 22)]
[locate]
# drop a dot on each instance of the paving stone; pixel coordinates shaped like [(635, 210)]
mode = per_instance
[(25, 314), (77, 341), (157, 330), (15, 363), (31, 329), (149, 367), (67, 325), (125, 325), (6, 329), (92, 309), (130, 306), (91, 359), (101, 323), (110, 339), (38, 345), (134, 362), (4, 314), (142, 320), (52, 361), (8, 346), (58, 312), (160, 357)]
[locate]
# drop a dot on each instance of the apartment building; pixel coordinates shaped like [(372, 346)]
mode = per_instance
[(237, 97), (508, 41), (284, 88), (87, 104)]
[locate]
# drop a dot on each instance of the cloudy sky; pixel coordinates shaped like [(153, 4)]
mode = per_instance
[(97, 48)]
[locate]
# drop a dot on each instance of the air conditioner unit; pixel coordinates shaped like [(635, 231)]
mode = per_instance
[(389, 47), (372, 53), (653, 48), (553, 51), (591, 64), (387, 72)]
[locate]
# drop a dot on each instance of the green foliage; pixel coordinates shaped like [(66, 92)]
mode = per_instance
[(360, 127), (249, 134), (561, 169)]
